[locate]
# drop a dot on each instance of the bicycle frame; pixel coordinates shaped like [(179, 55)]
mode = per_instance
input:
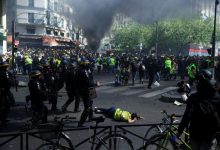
[(94, 137), (169, 133)]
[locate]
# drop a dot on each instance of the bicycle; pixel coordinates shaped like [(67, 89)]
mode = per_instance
[(166, 138), (156, 129), (53, 134), (110, 141)]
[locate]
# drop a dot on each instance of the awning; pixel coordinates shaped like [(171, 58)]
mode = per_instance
[(49, 41)]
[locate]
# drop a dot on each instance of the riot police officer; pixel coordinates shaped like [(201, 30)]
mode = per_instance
[(50, 79), (85, 82), (6, 96), (152, 66), (71, 87), (37, 96)]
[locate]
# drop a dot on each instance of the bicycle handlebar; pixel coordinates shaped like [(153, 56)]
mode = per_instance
[(172, 116)]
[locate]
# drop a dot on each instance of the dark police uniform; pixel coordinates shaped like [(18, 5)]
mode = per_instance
[(85, 81), (37, 95), (71, 88), (6, 97)]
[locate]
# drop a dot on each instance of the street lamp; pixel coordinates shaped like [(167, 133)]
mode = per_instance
[(213, 42), (156, 41)]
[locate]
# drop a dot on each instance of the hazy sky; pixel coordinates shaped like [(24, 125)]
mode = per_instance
[(95, 16)]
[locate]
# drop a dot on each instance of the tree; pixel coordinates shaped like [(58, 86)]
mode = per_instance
[(175, 35)]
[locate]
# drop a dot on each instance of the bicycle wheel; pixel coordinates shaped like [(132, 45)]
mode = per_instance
[(159, 142), (115, 142), (153, 130), (65, 145), (47, 146), (51, 146)]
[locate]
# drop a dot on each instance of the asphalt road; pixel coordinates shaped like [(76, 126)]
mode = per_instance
[(138, 98)]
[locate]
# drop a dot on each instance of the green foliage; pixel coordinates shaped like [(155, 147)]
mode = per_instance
[(173, 34)]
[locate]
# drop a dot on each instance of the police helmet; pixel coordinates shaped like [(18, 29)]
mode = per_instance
[(46, 64), (203, 75), (72, 65), (84, 62), (35, 73)]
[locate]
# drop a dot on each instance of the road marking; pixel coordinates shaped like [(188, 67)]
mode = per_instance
[(158, 92), (116, 89), (133, 92), (103, 88), (136, 91)]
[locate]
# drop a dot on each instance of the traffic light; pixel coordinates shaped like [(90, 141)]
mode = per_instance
[(15, 47)]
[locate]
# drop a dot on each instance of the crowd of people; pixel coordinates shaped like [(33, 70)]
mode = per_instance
[(49, 70)]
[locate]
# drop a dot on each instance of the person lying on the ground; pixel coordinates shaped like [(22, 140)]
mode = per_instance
[(118, 114)]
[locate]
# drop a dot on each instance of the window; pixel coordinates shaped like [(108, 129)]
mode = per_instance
[(31, 3), (62, 23), (48, 17), (48, 31), (62, 34), (67, 35), (73, 37), (30, 17), (55, 33), (55, 21), (55, 6), (30, 30), (48, 4)]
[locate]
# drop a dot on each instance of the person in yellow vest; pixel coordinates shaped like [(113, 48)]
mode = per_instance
[(173, 70), (118, 114), (192, 70), (28, 64), (104, 64), (168, 65), (99, 64), (112, 64)]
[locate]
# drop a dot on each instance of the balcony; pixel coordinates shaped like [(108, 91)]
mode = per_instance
[(31, 21)]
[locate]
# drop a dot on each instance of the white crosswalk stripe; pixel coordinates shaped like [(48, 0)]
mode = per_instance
[(133, 92), (158, 92), (116, 89), (103, 88), (139, 90)]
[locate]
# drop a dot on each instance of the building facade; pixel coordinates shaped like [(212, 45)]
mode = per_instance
[(42, 22), (3, 28), (120, 21)]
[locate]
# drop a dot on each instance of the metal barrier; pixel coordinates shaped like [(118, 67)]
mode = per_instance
[(36, 134), (122, 127), (109, 129), (12, 137)]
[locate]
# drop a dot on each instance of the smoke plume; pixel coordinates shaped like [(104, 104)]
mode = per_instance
[(95, 16)]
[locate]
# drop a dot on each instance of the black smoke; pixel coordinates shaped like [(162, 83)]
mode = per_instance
[(95, 16)]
